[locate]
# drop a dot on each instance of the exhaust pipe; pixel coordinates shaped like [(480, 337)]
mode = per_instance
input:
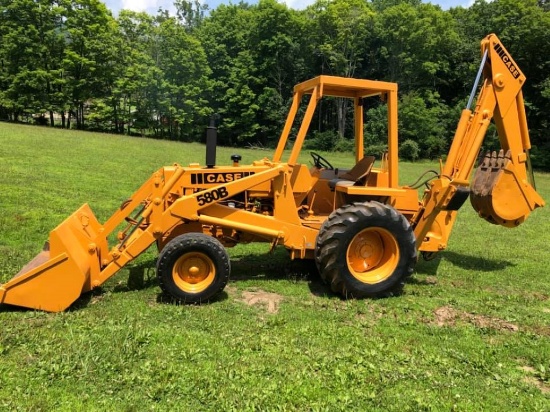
[(211, 142)]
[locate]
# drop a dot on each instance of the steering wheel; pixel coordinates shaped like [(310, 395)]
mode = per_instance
[(320, 162)]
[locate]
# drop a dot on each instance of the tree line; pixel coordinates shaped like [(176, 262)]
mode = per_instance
[(71, 63)]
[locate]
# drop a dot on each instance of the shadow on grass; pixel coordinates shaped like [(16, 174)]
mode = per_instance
[(278, 266), (167, 300), (141, 276), (10, 308), (475, 263), (85, 299), (261, 266), (80, 303), (427, 267), (467, 262)]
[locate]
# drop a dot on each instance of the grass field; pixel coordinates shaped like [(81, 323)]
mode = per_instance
[(470, 332)]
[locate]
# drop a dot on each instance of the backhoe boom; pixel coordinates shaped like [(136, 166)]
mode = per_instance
[(501, 190)]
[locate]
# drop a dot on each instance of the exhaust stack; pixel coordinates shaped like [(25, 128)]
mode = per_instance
[(211, 143)]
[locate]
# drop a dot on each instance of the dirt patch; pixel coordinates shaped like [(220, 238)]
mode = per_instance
[(540, 296), (448, 316), (230, 290), (445, 316), (267, 300), (532, 380), (96, 298), (542, 330), (528, 369)]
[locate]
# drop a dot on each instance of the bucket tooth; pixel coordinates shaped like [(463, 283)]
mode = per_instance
[(478, 182), (486, 203)]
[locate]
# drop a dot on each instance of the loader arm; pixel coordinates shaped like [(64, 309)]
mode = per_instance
[(185, 208), (77, 256), (502, 190)]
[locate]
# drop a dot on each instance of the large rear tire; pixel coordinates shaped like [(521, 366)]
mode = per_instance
[(366, 250), (193, 268)]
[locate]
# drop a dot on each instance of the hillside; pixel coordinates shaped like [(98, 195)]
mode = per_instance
[(469, 333)]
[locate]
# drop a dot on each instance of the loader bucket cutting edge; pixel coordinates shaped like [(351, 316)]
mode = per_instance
[(57, 276)]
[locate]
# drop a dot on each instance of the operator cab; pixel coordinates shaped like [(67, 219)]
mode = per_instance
[(331, 184)]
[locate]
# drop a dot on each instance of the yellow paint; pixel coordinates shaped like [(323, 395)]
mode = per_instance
[(193, 272), (285, 203), (373, 255)]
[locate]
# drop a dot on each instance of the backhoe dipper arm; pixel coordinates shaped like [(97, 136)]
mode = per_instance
[(502, 191), (500, 99)]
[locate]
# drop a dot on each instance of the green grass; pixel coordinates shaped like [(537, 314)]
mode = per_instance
[(470, 332)]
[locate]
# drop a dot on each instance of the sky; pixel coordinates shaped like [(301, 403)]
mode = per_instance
[(151, 6)]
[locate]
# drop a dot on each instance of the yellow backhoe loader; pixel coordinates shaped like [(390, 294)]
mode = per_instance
[(363, 230)]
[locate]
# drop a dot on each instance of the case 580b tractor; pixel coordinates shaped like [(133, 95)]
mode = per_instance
[(363, 230)]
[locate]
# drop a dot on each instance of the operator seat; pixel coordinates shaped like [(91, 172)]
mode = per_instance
[(356, 176)]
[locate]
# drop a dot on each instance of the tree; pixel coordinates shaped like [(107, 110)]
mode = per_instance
[(136, 94), (423, 119), (89, 54), (524, 28), (277, 51), (31, 54), (419, 55), (342, 33), (226, 37), (190, 13), (186, 86)]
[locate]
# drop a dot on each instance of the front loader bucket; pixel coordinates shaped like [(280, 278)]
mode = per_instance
[(499, 195), (58, 275)]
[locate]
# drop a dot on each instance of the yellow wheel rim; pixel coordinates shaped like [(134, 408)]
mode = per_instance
[(373, 255), (193, 272)]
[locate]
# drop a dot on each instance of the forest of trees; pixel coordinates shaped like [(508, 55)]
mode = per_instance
[(71, 63)]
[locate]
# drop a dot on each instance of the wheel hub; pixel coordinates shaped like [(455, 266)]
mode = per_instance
[(365, 251), (193, 272), (372, 255)]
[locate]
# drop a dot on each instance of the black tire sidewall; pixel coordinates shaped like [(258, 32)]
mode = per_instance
[(193, 242)]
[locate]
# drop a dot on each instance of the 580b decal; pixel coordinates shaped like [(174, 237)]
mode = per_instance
[(212, 196)]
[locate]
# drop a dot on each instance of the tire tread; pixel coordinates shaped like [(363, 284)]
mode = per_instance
[(197, 241), (330, 238)]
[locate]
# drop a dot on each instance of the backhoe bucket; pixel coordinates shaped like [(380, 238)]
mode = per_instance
[(58, 275), (499, 195)]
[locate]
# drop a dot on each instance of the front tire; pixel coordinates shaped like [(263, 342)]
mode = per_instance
[(193, 268), (366, 250)]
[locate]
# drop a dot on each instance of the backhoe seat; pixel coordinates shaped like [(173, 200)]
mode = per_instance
[(356, 176)]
